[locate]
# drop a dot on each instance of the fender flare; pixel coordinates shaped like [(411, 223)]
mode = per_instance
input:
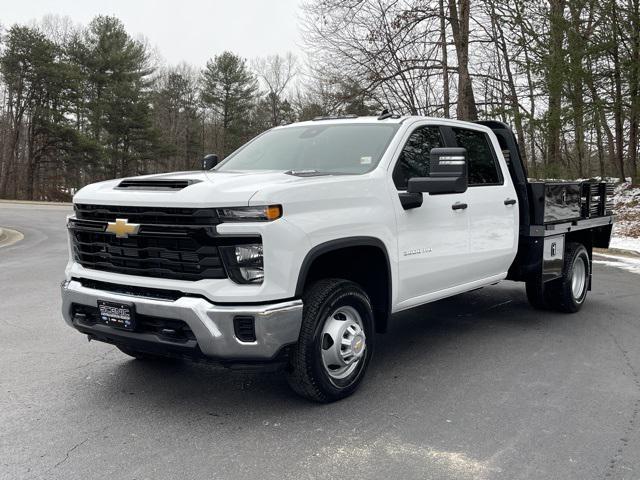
[(347, 242)]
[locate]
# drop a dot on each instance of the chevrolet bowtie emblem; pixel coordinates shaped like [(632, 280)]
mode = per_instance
[(122, 228)]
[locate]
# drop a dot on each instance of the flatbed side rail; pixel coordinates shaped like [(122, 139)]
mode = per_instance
[(572, 226)]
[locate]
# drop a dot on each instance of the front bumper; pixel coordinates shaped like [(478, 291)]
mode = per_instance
[(276, 324)]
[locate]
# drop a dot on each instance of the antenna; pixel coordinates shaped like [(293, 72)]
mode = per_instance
[(386, 113)]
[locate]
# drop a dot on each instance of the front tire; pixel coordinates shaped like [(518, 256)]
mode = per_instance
[(336, 341)]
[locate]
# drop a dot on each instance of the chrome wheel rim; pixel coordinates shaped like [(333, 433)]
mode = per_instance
[(579, 278), (343, 342)]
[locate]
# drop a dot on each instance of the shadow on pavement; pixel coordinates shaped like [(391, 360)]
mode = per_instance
[(416, 341)]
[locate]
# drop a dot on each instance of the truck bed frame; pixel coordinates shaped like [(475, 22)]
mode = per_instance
[(552, 214)]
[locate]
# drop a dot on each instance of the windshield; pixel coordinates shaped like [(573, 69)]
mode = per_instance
[(346, 148)]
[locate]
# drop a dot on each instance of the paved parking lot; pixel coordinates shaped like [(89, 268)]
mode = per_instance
[(476, 386)]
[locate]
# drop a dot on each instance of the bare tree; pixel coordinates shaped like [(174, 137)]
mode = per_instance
[(276, 73), (460, 11)]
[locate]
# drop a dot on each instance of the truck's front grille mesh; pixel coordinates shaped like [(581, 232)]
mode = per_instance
[(148, 215), (175, 243), (155, 293), (184, 258)]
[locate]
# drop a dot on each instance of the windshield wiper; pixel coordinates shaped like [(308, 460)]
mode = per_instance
[(315, 173), (306, 173)]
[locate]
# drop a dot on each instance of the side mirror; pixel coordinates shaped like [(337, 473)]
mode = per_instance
[(209, 161), (448, 173)]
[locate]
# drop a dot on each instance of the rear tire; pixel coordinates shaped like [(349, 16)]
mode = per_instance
[(569, 292), (336, 341)]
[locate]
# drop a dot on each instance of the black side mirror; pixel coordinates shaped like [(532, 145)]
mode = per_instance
[(209, 161), (448, 173)]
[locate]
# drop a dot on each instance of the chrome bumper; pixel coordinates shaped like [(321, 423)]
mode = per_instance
[(276, 324)]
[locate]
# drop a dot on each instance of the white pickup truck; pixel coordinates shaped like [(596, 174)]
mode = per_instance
[(301, 245)]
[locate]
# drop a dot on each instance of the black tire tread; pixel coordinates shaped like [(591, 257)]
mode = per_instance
[(559, 294), (300, 374)]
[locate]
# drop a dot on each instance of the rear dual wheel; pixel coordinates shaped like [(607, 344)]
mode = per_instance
[(569, 292)]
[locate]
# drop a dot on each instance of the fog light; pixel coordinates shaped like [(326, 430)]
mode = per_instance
[(244, 263)]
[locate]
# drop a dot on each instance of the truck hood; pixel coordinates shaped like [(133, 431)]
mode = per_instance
[(206, 189)]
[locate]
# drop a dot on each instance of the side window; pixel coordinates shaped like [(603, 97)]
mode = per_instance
[(414, 158), (483, 164)]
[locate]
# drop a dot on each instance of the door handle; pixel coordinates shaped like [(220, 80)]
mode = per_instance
[(459, 206), (510, 201)]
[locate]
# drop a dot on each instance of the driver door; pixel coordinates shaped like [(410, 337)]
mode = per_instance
[(433, 239)]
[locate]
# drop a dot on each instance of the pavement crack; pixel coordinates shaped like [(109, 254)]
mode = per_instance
[(99, 359), (66, 456), (633, 421)]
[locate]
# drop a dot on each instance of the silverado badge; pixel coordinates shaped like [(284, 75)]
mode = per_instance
[(122, 228)]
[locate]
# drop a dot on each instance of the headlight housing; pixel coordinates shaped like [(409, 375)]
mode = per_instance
[(262, 213), (245, 263)]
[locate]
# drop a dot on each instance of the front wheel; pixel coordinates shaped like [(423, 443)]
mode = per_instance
[(335, 343)]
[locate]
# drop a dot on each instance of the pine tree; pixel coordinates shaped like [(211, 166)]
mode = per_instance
[(229, 89), (118, 81)]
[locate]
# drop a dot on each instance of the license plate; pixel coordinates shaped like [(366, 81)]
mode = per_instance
[(118, 315)]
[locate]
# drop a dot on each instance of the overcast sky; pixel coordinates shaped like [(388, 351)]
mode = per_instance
[(189, 30)]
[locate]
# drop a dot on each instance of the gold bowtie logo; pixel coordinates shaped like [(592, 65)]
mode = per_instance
[(122, 228)]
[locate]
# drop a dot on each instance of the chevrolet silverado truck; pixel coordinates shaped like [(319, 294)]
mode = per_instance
[(300, 246)]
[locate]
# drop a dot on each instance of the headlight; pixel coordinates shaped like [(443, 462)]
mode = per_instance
[(244, 263), (264, 213)]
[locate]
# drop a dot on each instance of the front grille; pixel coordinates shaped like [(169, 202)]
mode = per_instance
[(192, 257), (148, 215), (171, 243), (130, 290)]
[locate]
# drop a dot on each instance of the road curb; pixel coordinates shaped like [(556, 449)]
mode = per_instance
[(616, 251), (9, 237), (34, 202)]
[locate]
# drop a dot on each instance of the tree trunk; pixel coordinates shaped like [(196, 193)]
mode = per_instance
[(601, 162), (576, 54), (501, 44), (634, 88), (445, 61), (466, 109), (555, 80), (617, 101)]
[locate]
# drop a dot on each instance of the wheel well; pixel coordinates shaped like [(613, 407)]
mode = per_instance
[(585, 237), (365, 264)]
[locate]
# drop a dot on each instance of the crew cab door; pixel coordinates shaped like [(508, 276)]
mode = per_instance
[(492, 205), (432, 238)]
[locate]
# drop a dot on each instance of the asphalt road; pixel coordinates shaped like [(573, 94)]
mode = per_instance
[(477, 386)]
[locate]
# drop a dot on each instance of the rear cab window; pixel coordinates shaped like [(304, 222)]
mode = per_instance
[(483, 164)]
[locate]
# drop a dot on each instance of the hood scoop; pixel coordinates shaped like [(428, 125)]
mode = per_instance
[(150, 184)]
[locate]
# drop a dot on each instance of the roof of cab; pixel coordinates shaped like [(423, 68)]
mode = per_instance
[(390, 120)]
